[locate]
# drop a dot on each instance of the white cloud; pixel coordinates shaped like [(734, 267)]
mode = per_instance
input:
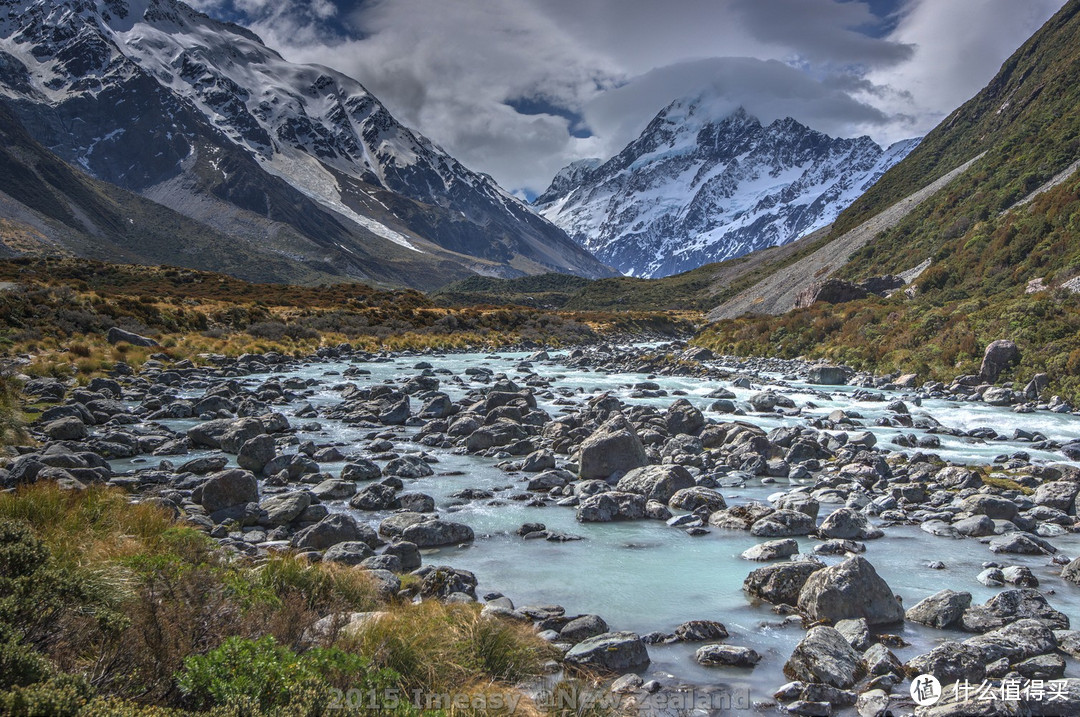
[(449, 68)]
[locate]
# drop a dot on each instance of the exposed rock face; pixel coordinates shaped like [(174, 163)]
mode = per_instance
[(116, 335), (849, 590), (830, 291)]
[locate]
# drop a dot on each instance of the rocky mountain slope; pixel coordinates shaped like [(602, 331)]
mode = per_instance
[(300, 160), (694, 189), (1002, 238)]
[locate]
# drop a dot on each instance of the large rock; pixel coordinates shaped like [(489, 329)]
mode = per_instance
[(998, 357), (239, 432), (851, 589), (830, 291), (582, 628), (846, 523), (771, 550), (227, 489), (656, 482), (68, 428), (434, 533), (726, 656), (1071, 572), (698, 498), (942, 610), (825, 656), (683, 418), (360, 470), (613, 449), (284, 508), (410, 466), (992, 506), (827, 375), (611, 652), (783, 524), (1016, 641), (949, 662), (116, 335), (780, 584), (255, 453), (331, 530), (1059, 494), (612, 505)]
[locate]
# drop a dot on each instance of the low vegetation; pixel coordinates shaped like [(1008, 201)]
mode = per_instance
[(109, 608)]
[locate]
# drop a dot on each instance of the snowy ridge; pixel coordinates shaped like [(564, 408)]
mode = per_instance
[(694, 189), (159, 74)]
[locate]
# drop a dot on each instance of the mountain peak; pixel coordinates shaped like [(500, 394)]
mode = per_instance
[(704, 182)]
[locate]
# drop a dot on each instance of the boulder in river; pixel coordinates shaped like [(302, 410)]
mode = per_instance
[(782, 524), (998, 357), (613, 449), (656, 482), (726, 656), (781, 583), (616, 652), (942, 610), (227, 489), (435, 533), (825, 656), (847, 523), (825, 375), (850, 589)]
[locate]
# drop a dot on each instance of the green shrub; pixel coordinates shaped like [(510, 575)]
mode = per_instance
[(263, 674), (60, 696)]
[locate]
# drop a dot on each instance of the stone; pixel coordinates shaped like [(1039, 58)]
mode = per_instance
[(1021, 544), (830, 291), (726, 656), (334, 489), (824, 375), (609, 506), (375, 496), (361, 470), (782, 524), (683, 418), (996, 396), (942, 610), (227, 489), (116, 335), (1071, 572), (846, 523), (825, 656), (1011, 605), (239, 432), (435, 533), (410, 466), (1059, 494), (658, 483), (613, 449), (992, 506), (617, 652), (1018, 640), (700, 631), (331, 530), (949, 662), (68, 428), (850, 589), (856, 632), (582, 628), (697, 498), (781, 583), (873, 703), (998, 357), (284, 508), (771, 550), (406, 552), (256, 452), (349, 552), (444, 581), (878, 660)]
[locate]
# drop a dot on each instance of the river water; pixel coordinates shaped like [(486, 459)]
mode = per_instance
[(644, 575)]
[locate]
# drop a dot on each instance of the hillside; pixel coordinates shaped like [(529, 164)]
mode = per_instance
[(1003, 237)]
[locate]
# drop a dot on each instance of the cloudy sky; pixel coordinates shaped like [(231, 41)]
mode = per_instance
[(520, 88)]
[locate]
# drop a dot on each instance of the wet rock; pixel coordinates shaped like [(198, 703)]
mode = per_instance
[(851, 589), (700, 631), (1059, 494), (873, 703), (435, 533), (942, 610), (613, 449), (1016, 641), (1021, 544), (949, 662), (361, 470), (375, 496), (417, 502), (683, 418), (726, 656), (783, 523), (827, 375), (1071, 572), (977, 526), (617, 652), (846, 523), (334, 489), (444, 581), (609, 506), (771, 550), (856, 632), (697, 498), (780, 584), (409, 466), (255, 453), (331, 530), (1011, 605), (825, 656), (658, 483)]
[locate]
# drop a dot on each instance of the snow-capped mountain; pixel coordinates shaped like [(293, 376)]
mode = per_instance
[(201, 116), (694, 188)]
